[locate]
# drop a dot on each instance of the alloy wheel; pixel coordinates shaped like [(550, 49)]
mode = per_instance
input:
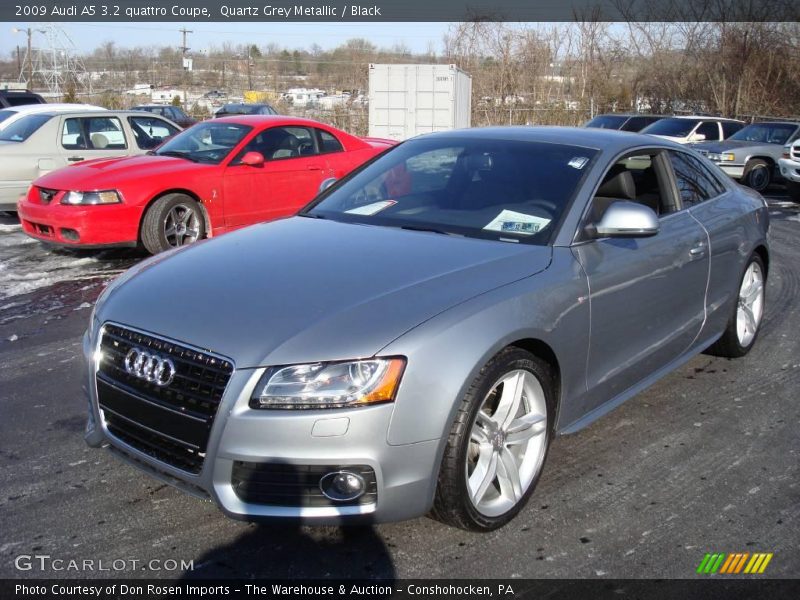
[(751, 304), (507, 443), (181, 226)]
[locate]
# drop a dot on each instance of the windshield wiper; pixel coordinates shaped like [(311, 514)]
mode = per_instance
[(177, 154), (425, 228), (311, 216)]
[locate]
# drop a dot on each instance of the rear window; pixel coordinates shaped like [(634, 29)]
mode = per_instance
[(672, 127), (21, 130), (22, 99), (4, 114)]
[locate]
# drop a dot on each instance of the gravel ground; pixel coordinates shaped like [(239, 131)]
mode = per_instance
[(704, 461)]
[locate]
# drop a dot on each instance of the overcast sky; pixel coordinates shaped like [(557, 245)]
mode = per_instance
[(87, 36)]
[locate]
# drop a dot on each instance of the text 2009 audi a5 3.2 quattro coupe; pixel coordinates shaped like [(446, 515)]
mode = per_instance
[(416, 336)]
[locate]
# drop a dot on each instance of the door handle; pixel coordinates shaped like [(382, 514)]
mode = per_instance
[(698, 249), (314, 168), (74, 158)]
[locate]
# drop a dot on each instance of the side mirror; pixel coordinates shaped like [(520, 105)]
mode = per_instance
[(326, 183), (624, 219), (697, 137), (253, 159)]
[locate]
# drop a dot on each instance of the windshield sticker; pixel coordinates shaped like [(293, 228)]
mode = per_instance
[(509, 221), (371, 209), (578, 162)]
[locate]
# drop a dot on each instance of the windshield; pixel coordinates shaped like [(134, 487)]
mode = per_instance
[(497, 189), (672, 127), (765, 133), (21, 129), (208, 142), (607, 122)]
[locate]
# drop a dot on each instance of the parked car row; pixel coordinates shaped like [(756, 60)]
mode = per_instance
[(214, 177), (748, 153)]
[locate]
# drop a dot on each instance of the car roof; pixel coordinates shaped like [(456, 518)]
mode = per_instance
[(795, 123), (589, 137), (624, 114), (704, 118), (154, 105), (44, 108)]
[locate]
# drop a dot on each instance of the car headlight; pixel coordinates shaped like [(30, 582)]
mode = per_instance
[(725, 157), (329, 385), (83, 198)]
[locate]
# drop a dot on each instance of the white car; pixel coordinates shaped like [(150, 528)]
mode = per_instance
[(45, 141), (14, 113), (690, 129), (789, 165)]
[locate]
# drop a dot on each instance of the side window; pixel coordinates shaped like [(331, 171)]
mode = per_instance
[(710, 130), (729, 128), (72, 137), (635, 178), (695, 183), (104, 133), (150, 131), (280, 143), (328, 143), (175, 114)]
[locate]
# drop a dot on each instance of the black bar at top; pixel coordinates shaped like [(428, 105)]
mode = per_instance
[(274, 11)]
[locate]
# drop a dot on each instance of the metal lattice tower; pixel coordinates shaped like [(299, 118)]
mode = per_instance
[(57, 65)]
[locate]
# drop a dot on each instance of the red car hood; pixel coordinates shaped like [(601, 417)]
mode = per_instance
[(108, 173)]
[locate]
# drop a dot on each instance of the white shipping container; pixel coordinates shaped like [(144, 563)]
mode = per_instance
[(409, 100)]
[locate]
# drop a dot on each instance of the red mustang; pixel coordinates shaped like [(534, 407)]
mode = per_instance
[(212, 178)]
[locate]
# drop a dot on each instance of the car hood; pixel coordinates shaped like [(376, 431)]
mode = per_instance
[(734, 145), (306, 290), (114, 172)]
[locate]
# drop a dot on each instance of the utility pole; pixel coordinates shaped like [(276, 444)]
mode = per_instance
[(30, 59), (184, 49)]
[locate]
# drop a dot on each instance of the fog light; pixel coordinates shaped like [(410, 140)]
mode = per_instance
[(342, 486), (70, 234)]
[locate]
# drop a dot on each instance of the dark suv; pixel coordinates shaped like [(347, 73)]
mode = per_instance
[(19, 97), (173, 113)]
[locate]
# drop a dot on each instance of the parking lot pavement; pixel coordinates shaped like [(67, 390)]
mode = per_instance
[(704, 461)]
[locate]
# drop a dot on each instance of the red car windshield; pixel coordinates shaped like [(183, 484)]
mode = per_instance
[(207, 142)]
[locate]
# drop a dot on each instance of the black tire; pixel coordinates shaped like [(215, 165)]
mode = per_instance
[(154, 231), (729, 346), (452, 504), (793, 189), (757, 174)]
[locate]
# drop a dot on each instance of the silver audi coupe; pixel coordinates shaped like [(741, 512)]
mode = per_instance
[(413, 339)]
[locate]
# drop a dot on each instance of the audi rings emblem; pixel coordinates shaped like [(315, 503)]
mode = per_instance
[(150, 367)]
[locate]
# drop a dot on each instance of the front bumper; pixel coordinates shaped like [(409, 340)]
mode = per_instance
[(80, 226), (790, 169), (730, 169), (405, 475)]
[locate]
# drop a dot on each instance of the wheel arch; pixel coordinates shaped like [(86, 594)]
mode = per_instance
[(765, 157), (191, 194), (763, 253), (542, 350)]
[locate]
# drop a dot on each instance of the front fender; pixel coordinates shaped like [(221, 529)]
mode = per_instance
[(446, 353)]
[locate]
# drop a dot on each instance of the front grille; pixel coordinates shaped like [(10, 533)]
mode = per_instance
[(795, 152), (170, 423), (281, 484), (46, 196)]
